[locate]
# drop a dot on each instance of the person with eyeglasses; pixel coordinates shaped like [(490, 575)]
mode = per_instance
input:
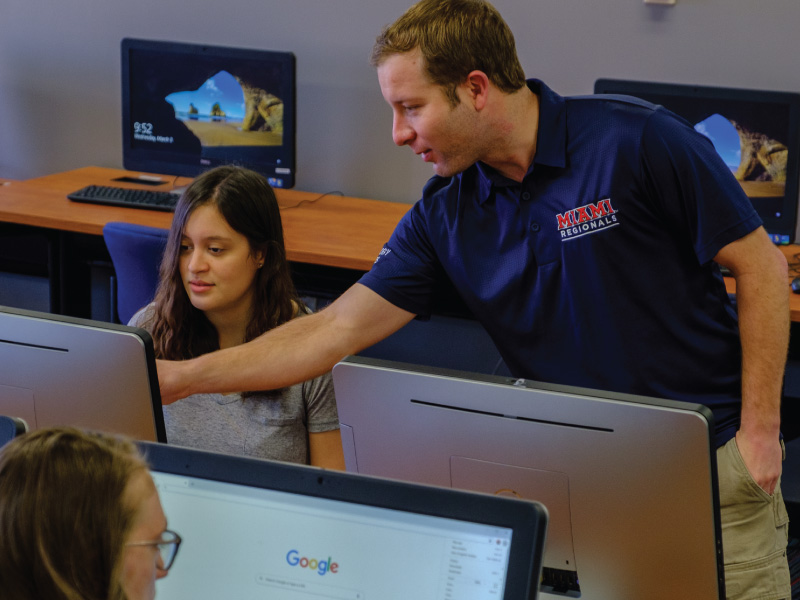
[(80, 518)]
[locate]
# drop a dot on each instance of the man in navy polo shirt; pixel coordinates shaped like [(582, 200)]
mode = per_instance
[(585, 234)]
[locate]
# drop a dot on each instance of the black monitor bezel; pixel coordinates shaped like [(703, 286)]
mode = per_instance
[(786, 225), (527, 520), (136, 159)]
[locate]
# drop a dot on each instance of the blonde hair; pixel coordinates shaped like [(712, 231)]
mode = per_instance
[(63, 515), (455, 37)]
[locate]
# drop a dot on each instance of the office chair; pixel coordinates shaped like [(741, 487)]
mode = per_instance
[(136, 252), (11, 427)]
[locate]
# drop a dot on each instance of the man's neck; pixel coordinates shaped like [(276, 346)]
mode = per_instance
[(517, 127)]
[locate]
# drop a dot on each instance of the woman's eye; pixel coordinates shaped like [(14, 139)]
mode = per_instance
[(215, 250)]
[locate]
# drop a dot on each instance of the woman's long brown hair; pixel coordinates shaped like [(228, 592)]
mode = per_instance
[(248, 204)]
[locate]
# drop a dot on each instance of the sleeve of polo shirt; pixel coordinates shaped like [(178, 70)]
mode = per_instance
[(692, 186), (405, 271)]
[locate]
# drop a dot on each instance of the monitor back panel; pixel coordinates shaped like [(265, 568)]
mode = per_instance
[(630, 483), (58, 370), (262, 529)]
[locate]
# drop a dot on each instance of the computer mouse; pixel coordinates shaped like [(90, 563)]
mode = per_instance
[(796, 285)]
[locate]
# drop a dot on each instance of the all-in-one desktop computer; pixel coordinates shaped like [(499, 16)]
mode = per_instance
[(629, 482)]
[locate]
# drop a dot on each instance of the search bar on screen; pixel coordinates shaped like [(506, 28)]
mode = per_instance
[(319, 590)]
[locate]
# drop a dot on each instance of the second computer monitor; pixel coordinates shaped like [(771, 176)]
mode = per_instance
[(57, 370), (629, 482), (189, 107), (755, 132), (263, 529)]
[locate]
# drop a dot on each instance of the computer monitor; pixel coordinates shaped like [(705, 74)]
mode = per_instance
[(263, 529), (57, 370), (629, 482), (756, 132), (189, 107)]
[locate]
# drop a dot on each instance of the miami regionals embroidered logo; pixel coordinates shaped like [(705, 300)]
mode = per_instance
[(384, 252), (590, 218)]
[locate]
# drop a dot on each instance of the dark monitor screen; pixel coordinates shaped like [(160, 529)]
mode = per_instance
[(190, 107), (756, 132)]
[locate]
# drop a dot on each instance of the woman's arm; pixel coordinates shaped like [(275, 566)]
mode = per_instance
[(325, 450)]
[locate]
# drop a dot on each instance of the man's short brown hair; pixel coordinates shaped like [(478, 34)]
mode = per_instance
[(455, 38)]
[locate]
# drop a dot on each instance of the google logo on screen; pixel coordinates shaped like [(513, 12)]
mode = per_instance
[(320, 566)]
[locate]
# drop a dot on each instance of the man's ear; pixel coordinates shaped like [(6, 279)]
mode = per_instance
[(477, 88)]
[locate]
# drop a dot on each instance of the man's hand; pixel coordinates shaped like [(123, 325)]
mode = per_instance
[(762, 455), (171, 381)]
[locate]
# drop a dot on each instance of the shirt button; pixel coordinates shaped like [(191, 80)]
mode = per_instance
[(534, 227), (526, 195)]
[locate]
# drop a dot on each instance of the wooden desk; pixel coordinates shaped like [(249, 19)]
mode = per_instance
[(332, 230), (330, 240)]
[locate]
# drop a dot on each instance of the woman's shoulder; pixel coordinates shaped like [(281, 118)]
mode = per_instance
[(300, 308), (144, 317)]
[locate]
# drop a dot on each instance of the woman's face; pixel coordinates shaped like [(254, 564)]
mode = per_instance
[(141, 565), (216, 265)]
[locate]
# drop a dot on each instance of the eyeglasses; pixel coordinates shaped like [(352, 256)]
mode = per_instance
[(167, 547)]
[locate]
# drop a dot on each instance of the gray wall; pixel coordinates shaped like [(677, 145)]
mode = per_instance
[(60, 73)]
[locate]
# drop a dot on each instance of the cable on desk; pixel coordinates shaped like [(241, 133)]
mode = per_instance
[(312, 200)]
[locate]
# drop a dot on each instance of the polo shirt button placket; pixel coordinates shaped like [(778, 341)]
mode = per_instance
[(534, 227)]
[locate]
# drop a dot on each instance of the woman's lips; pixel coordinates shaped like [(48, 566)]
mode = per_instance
[(198, 287)]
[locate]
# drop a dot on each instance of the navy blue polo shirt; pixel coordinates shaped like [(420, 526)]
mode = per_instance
[(596, 270)]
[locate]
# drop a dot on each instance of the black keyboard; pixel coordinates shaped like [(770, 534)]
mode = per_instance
[(131, 198), (559, 581)]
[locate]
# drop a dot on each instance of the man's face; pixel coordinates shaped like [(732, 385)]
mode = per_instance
[(424, 119)]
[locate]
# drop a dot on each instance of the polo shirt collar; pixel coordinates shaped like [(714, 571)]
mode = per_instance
[(551, 139)]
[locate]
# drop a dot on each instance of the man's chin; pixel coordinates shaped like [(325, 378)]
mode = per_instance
[(445, 170)]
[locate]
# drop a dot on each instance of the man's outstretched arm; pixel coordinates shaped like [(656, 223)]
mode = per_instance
[(303, 348)]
